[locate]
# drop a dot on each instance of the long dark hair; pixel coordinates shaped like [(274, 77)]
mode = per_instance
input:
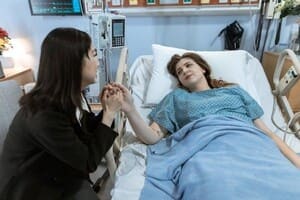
[(58, 83), (213, 83)]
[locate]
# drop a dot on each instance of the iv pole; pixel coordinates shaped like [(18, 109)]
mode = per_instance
[(106, 57)]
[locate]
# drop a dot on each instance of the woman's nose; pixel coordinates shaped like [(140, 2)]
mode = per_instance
[(184, 70)]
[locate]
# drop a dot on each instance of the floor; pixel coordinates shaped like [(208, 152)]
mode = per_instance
[(104, 193), (105, 183)]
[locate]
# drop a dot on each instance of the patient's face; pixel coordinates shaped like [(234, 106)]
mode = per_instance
[(189, 73), (89, 68)]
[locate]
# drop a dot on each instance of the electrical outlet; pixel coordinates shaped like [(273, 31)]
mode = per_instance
[(288, 80), (270, 10)]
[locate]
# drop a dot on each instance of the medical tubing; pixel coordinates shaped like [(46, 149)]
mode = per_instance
[(273, 121), (294, 120)]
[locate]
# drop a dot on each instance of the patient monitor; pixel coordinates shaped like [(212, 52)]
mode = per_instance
[(109, 30), (112, 30), (282, 86)]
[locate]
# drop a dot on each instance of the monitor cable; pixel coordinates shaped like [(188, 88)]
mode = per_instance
[(296, 116)]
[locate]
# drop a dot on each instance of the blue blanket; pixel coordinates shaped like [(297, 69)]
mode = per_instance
[(217, 158)]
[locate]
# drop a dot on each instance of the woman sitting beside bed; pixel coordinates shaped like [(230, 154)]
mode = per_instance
[(218, 147)]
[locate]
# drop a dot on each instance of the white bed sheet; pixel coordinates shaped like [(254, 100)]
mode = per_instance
[(130, 173)]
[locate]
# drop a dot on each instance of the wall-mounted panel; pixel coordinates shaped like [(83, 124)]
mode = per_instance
[(183, 7)]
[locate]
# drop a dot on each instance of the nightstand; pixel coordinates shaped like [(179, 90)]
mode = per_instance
[(269, 63), (22, 75)]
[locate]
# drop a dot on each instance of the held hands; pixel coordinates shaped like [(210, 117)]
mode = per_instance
[(127, 100), (111, 99)]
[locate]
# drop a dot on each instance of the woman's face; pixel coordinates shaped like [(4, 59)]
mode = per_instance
[(189, 73), (89, 68)]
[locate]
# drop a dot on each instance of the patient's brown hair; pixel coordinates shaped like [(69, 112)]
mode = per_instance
[(213, 83)]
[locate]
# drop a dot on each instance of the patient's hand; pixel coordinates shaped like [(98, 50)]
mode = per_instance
[(127, 101)]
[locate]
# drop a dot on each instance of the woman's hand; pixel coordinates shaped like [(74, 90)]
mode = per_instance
[(127, 100), (144, 132), (111, 100)]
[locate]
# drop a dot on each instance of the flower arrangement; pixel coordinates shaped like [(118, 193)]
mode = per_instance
[(288, 7), (5, 43)]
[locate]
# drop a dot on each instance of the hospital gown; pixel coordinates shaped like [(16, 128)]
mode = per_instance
[(212, 156), (180, 106)]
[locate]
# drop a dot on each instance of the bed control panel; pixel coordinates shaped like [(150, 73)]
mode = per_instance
[(288, 80)]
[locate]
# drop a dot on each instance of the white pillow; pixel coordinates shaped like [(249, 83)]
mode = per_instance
[(227, 65)]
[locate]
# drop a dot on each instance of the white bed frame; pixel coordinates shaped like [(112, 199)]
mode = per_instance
[(284, 84)]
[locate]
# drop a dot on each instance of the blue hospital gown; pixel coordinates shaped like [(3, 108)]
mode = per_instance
[(180, 107)]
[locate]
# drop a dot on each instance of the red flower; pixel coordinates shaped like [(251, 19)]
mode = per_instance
[(5, 43), (3, 33)]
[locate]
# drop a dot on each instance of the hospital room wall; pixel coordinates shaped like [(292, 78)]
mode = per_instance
[(201, 33), (190, 32)]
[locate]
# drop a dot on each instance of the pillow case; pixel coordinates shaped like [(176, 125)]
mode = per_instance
[(226, 65)]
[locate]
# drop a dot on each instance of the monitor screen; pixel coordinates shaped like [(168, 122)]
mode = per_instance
[(118, 28), (55, 7)]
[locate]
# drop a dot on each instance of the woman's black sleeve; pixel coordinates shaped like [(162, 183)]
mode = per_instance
[(56, 134)]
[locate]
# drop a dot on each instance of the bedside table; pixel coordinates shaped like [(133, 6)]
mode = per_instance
[(22, 75), (269, 63)]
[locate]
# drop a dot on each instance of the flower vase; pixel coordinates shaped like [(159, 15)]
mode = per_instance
[(1, 71), (7, 62)]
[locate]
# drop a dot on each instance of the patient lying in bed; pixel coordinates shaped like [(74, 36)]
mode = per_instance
[(218, 147)]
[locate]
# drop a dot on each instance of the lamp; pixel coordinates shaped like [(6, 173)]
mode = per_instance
[(20, 55)]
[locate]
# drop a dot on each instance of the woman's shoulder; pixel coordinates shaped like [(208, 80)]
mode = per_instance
[(49, 115), (176, 92), (41, 119), (234, 87), (230, 89), (237, 89), (179, 90)]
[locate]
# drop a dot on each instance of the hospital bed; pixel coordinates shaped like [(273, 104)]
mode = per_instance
[(149, 82)]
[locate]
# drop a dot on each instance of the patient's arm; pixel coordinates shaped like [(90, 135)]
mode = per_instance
[(284, 148), (147, 134)]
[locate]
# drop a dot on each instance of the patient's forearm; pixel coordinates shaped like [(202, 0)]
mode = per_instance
[(143, 131), (283, 147), (287, 151)]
